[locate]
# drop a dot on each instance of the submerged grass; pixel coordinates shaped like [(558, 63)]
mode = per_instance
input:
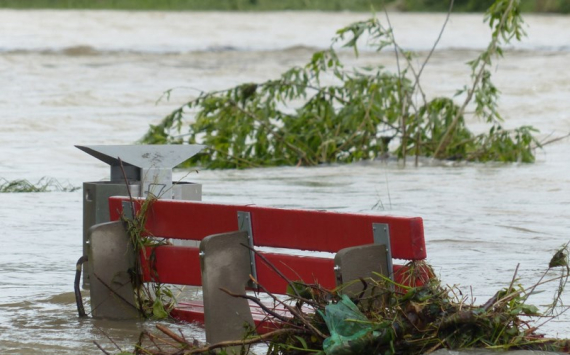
[(45, 184)]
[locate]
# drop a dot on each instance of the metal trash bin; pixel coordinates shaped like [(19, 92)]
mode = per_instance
[(148, 170)]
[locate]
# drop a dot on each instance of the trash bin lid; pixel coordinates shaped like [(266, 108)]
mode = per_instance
[(143, 156)]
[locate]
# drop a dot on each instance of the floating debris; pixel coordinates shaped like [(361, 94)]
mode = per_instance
[(45, 184)]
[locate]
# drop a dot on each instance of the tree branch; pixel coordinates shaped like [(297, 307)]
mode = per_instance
[(445, 140)]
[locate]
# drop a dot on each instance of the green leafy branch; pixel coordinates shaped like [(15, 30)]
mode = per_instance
[(506, 22), (324, 112)]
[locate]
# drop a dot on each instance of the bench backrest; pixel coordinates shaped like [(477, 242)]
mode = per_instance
[(271, 227)]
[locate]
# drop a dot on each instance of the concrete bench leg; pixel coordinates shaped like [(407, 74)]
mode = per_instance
[(225, 263), (111, 257), (360, 261)]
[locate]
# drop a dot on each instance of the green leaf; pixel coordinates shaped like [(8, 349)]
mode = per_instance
[(302, 341), (158, 311)]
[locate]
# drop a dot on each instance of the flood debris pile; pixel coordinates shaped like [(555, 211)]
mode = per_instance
[(391, 318)]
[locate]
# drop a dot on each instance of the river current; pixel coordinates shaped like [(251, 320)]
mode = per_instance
[(94, 77)]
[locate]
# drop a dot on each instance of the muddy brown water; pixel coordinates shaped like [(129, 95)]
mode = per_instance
[(94, 77)]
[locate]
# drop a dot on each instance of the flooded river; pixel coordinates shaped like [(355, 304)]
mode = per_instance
[(94, 77)]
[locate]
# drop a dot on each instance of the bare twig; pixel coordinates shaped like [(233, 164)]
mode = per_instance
[(292, 310), (108, 337), (529, 293), (153, 337), (171, 334), (364, 287), (434, 46), (139, 342), (514, 277), (295, 312), (252, 340), (490, 302), (495, 300), (548, 281), (274, 268), (259, 303), (394, 41), (417, 81), (100, 348), (403, 98), (555, 140), (128, 187), (553, 317), (114, 293), (292, 270)]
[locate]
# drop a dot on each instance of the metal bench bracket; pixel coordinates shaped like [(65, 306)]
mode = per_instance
[(244, 224), (381, 232), (128, 209)]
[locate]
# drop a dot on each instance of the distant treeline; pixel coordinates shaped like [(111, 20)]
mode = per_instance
[(560, 6)]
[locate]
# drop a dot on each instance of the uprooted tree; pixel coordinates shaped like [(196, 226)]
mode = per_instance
[(325, 112)]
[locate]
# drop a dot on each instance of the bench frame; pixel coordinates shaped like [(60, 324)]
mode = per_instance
[(362, 244)]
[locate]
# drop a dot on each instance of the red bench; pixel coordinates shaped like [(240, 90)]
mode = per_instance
[(294, 230)]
